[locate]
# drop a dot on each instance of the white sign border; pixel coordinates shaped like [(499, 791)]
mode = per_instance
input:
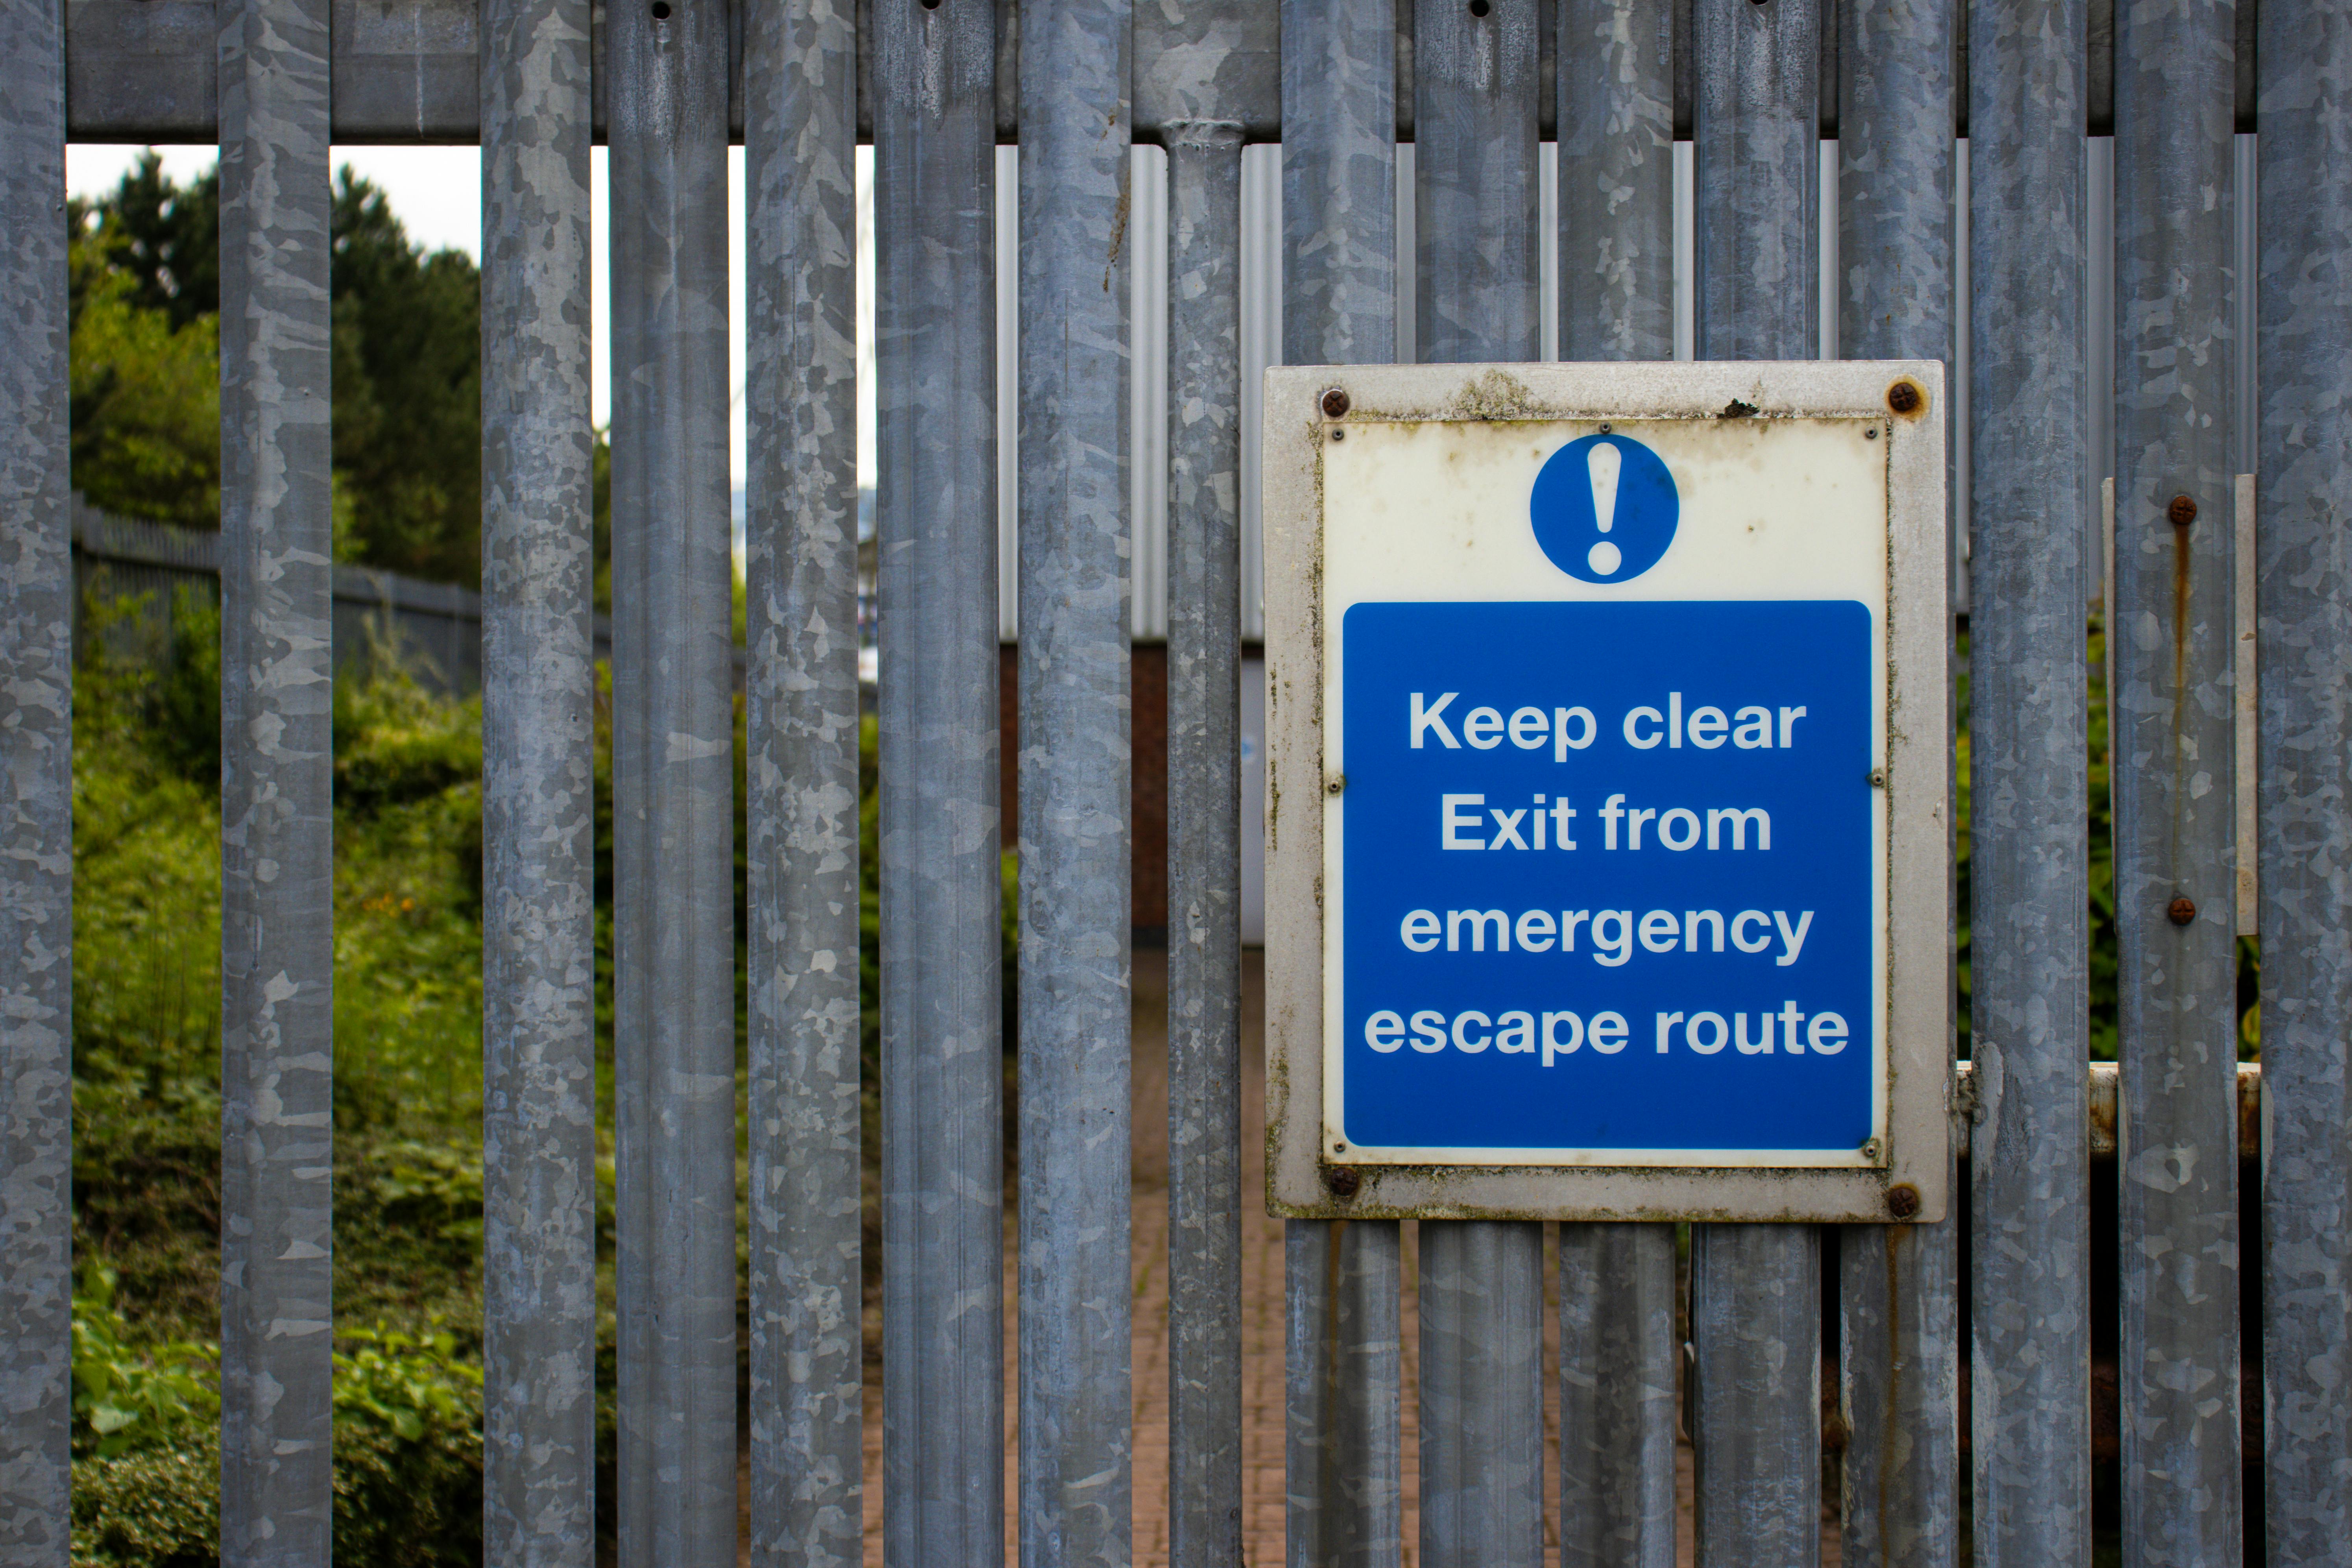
[(1911, 1178)]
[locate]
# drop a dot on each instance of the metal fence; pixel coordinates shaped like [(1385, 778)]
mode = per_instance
[(137, 573), (1477, 86)]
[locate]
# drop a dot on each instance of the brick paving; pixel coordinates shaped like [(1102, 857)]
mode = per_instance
[(1261, 1319)]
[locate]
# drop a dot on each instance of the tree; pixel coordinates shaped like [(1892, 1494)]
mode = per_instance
[(407, 370)]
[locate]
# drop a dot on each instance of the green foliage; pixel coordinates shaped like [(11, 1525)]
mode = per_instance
[(145, 300), (2106, 943), (127, 1399), (157, 1509), (408, 394), (146, 1484), (144, 400), (161, 236)]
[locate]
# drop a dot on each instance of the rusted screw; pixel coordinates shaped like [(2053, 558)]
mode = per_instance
[(2181, 513), (1343, 1182), (1338, 781), (2180, 911), (1902, 1200), (1903, 397), (1335, 403)]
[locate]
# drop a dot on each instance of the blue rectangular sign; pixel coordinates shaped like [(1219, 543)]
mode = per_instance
[(1609, 876)]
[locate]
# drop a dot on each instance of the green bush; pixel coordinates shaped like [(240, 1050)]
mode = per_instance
[(146, 1484)]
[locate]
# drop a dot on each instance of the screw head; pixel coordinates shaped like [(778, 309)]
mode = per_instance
[(1903, 397), (2180, 911), (1343, 1182), (1335, 403), (2180, 512), (1902, 1200), (1338, 781)]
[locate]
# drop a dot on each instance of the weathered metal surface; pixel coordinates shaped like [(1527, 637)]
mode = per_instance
[(1619, 1355), (2171, 718), (2305, 556), (1755, 175), (2245, 689), (1342, 1454), (277, 827), (1077, 1290), (1475, 211), (1482, 1430), (1616, 180), (1200, 60), (143, 69), (2030, 1355), (673, 750), (1619, 1358), (1338, 184), (1343, 1350), (2099, 1102), (538, 1017), (1204, 976), (37, 619), (942, 1067), (1897, 1284), (1756, 1315), (1475, 198), (1754, 1290), (801, 728)]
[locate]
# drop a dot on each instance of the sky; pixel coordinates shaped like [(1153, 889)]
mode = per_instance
[(435, 191)]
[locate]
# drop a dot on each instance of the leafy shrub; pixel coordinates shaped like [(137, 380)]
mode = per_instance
[(408, 1448), (129, 1400)]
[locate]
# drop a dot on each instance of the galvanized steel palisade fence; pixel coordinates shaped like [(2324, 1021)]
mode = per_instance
[(936, 84)]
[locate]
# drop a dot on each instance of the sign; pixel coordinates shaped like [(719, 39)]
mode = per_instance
[(1621, 892)]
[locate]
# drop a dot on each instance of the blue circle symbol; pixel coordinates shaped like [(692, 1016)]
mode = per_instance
[(1604, 509)]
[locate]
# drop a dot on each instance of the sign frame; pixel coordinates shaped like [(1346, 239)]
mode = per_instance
[(1306, 409)]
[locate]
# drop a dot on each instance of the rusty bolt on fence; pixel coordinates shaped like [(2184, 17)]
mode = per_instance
[(1903, 397), (1343, 1183), (1902, 1200), (1335, 403), (2180, 911), (2181, 513)]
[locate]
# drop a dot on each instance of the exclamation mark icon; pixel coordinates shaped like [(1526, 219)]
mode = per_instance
[(1602, 462)]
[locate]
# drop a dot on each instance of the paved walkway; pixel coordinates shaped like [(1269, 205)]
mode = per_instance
[(1261, 1347)]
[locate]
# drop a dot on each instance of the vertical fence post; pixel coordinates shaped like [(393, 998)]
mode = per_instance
[(2172, 716), (1342, 1456), (1475, 208), (1618, 1353), (2029, 1152), (539, 1060), (673, 752), (1076, 1290), (2305, 503), (37, 605), (1204, 975), (800, 102), (942, 1064), (277, 830), (1756, 1288), (1899, 1284)]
